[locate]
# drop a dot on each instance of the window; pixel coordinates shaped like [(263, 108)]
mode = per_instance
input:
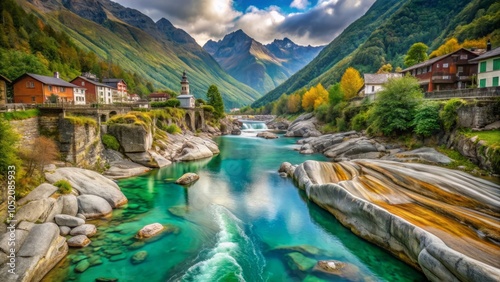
[(62, 89), (460, 69), (33, 99), (496, 64), (437, 66), (495, 81), (373, 88), (463, 57), (482, 83), (30, 84), (445, 65), (83, 83), (446, 77), (482, 67)]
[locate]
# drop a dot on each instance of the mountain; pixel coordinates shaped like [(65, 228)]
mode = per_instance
[(156, 51), (263, 67), (386, 32)]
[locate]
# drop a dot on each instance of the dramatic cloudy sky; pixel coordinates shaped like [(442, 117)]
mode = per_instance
[(306, 22)]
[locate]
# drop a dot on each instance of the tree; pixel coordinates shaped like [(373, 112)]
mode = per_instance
[(335, 94), (215, 100), (40, 153), (351, 82), (322, 98), (426, 120), (309, 98), (281, 105), (448, 47), (293, 104), (387, 68), (394, 109), (416, 54)]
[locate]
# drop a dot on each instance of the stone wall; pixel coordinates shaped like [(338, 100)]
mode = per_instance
[(478, 115), (80, 144), (27, 129)]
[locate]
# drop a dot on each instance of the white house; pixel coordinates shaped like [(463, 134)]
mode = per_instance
[(488, 68), (105, 94), (79, 95), (374, 82)]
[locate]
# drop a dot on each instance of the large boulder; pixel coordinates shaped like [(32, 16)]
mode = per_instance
[(150, 230), (35, 210), (69, 205), (133, 138), (92, 206), (88, 182), (79, 241), (68, 220), (88, 230), (125, 169), (424, 154), (267, 135), (187, 178), (40, 252), (355, 148), (143, 158), (44, 190), (303, 126), (192, 150)]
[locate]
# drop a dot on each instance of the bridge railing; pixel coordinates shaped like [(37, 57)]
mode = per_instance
[(472, 93)]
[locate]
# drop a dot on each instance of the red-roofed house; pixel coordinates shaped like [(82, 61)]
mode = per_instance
[(33, 88)]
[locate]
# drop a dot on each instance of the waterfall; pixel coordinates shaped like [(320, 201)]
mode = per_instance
[(253, 125)]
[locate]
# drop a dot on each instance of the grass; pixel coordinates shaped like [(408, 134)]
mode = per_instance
[(110, 142), (491, 137), (20, 115), (458, 159), (64, 186), (173, 129), (81, 120)]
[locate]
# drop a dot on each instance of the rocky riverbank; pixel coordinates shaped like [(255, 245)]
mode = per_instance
[(441, 221)]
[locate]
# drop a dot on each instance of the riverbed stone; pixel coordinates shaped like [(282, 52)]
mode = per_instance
[(69, 205), (139, 257), (79, 241), (267, 135), (68, 220), (303, 126), (82, 266), (118, 257), (187, 178), (64, 230), (88, 230), (298, 261), (92, 206), (150, 230), (88, 182), (179, 211), (106, 279), (339, 269)]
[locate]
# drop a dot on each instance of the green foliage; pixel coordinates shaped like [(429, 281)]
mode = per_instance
[(173, 129), (208, 108), (359, 121), (394, 108), (426, 120), (321, 112), (215, 100), (8, 149), (280, 107), (449, 114), (172, 103), (19, 115), (110, 142), (199, 102), (416, 54), (335, 94), (81, 120), (64, 186)]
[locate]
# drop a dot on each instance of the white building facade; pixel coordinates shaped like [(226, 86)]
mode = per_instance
[(488, 68)]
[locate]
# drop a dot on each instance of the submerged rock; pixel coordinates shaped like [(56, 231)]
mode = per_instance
[(150, 230), (139, 257), (298, 261), (79, 241), (179, 211), (339, 269), (187, 178), (106, 279), (82, 266), (267, 135)]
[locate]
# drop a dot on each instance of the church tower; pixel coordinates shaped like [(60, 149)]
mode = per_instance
[(184, 84)]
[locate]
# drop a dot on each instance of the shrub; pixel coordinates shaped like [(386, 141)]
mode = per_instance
[(449, 115), (81, 120), (159, 104), (341, 124), (64, 186), (426, 120), (19, 115), (199, 102), (321, 112), (173, 129), (394, 108), (173, 103), (208, 108), (359, 121), (110, 142)]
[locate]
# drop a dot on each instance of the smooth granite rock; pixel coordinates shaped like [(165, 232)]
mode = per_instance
[(68, 220), (69, 205), (44, 190), (267, 135), (79, 241), (187, 178), (88, 230), (150, 230), (92, 206)]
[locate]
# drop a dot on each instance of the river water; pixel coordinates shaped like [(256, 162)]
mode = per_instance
[(240, 222)]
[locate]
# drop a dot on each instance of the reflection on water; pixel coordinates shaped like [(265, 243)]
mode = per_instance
[(240, 222)]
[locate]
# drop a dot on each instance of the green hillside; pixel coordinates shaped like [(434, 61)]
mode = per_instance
[(141, 49), (384, 35)]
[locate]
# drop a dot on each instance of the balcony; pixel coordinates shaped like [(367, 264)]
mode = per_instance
[(444, 79)]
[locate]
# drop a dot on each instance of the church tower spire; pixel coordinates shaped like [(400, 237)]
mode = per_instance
[(184, 84)]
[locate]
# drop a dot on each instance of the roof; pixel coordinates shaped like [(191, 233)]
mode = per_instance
[(153, 95), (4, 78), (185, 96), (97, 83), (379, 78), (433, 60), (493, 53), (49, 80), (113, 80)]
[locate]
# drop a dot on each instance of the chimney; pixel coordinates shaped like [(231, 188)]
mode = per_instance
[(56, 74), (488, 46)]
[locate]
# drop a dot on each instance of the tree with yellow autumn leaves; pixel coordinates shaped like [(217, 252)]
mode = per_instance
[(314, 97), (351, 82)]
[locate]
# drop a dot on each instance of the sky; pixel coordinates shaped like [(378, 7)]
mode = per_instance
[(306, 22)]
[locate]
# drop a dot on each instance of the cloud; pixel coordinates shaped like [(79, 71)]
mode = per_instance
[(300, 4), (212, 19)]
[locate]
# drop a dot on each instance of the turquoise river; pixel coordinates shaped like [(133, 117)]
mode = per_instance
[(240, 222)]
